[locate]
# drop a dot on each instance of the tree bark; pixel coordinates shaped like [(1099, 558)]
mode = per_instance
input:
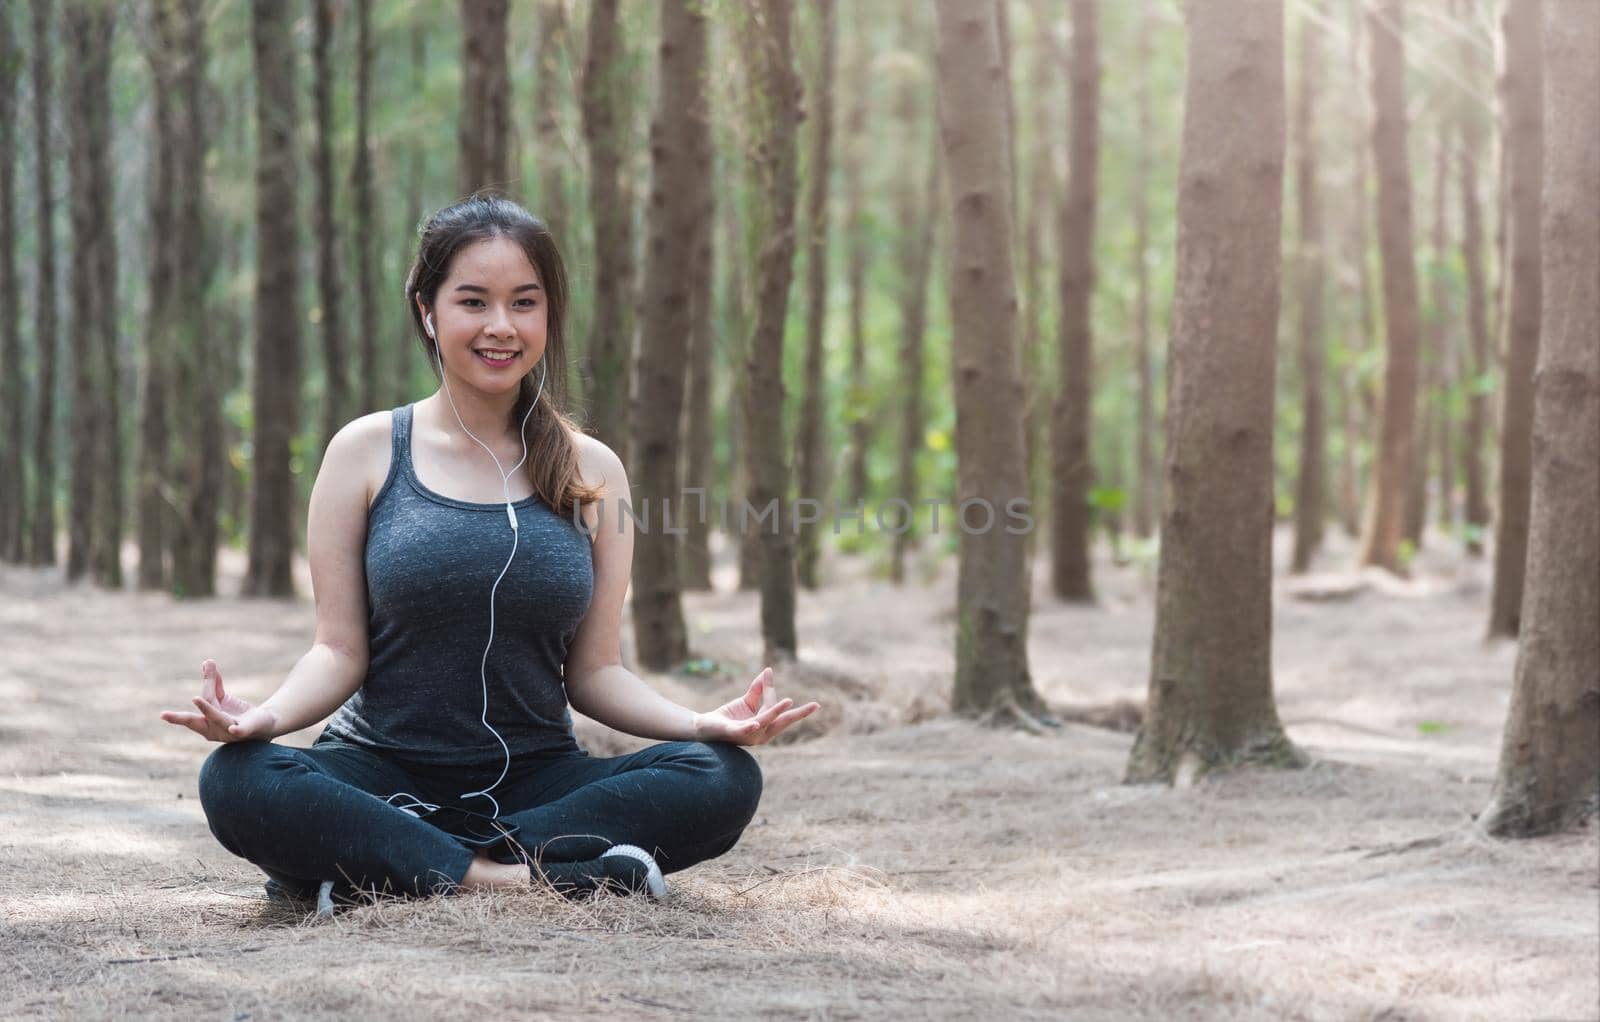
[(699, 468), (95, 519), (162, 51), (917, 214), (1311, 490), (857, 257), (109, 507), (772, 100), (1361, 405), (485, 126), (1446, 372), (606, 118), (1210, 703), (277, 322), (1470, 132), (1391, 480), (366, 232), (1549, 776), (1524, 93), (13, 498), (1033, 224), (1072, 473), (992, 676), (811, 470), (548, 102), (660, 637), (336, 401), (737, 330), (200, 449), (1146, 501), (1430, 399), (42, 519), (415, 175)]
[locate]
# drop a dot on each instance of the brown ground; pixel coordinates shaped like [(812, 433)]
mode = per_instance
[(904, 864)]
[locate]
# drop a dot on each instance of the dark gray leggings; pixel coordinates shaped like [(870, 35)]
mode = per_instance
[(308, 815)]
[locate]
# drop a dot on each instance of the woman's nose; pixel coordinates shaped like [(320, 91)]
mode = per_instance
[(499, 322)]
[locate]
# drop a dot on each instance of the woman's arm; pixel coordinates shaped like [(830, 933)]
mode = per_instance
[(600, 687), (336, 664)]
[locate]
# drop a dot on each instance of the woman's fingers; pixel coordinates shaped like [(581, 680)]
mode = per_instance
[(768, 715), (211, 686), (214, 713), (782, 723), (195, 722), (756, 696)]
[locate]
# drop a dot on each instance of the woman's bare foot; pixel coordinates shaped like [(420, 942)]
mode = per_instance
[(485, 873)]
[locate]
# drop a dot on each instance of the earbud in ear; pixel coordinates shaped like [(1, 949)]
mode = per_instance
[(429, 321)]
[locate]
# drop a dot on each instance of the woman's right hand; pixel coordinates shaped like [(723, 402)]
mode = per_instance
[(220, 717)]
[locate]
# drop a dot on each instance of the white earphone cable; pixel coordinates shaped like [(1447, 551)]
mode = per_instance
[(505, 481)]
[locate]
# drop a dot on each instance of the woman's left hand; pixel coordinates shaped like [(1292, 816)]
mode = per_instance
[(755, 718)]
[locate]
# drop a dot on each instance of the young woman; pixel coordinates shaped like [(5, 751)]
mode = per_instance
[(460, 609)]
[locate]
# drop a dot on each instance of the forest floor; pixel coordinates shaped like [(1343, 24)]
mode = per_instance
[(903, 863)]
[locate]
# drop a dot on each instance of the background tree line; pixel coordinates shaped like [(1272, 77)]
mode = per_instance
[(796, 233)]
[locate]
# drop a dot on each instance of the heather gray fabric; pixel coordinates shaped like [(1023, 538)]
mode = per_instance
[(431, 562)]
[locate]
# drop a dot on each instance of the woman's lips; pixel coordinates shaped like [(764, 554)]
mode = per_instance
[(497, 364)]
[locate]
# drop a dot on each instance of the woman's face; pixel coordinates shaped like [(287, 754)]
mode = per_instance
[(489, 316)]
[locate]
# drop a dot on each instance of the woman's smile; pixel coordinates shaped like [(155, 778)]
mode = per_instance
[(497, 359)]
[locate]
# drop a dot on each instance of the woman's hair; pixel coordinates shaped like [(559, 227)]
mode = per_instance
[(552, 453)]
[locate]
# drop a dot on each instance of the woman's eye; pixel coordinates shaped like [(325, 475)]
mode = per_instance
[(471, 302)]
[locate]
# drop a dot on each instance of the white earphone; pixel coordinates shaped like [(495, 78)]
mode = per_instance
[(511, 514)]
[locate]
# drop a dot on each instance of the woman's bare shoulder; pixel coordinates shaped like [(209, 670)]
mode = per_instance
[(598, 464), (364, 445)]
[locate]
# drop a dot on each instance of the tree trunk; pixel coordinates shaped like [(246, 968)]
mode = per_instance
[(606, 117), (773, 116), (736, 328), (859, 412), (1549, 776), (13, 498), (336, 398), (277, 322), (811, 470), (1311, 490), (366, 233), (1521, 321), (485, 133), (1361, 405), (93, 539), (42, 519), (1072, 473), (1431, 405), (415, 175), (660, 636), (109, 511), (699, 468), (1472, 147), (548, 102), (917, 214), (1033, 223), (1210, 703), (1391, 480), (1145, 499), (200, 450), (992, 677), (1446, 374), (162, 51)]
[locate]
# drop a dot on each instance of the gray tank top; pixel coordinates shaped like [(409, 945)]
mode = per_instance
[(431, 561)]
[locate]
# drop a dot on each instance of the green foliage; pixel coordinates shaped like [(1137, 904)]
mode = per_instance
[(1108, 499)]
